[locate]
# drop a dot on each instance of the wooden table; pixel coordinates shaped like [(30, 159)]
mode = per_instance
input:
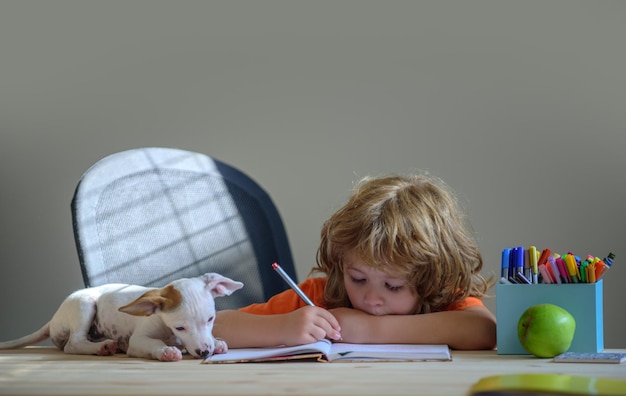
[(47, 371)]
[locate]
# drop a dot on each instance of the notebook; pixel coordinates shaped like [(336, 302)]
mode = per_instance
[(325, 351), (590, 357)]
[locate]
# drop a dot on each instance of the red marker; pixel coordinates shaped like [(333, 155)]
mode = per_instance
[(544, 256)]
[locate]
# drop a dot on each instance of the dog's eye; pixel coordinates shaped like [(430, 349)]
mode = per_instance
[(211, 319), (180, 328)]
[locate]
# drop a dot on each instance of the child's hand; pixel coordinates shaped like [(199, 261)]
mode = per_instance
[(309, 324)]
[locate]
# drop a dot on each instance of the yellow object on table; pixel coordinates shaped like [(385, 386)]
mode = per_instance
[(536, 383)]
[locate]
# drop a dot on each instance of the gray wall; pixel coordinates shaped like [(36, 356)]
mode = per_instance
[(520, 106)]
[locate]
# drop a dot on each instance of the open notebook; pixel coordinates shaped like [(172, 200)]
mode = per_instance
[(325, 351)]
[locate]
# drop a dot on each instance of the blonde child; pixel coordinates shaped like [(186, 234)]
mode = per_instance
[(398, 265)]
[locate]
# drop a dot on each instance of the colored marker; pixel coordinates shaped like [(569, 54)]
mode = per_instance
[(599, 269), (608, 261), (560, 263), (522, 279), (554, 269), (572, 268), (527, 269), (292, 284), (504, 263), (519, 259), (545, 274), (543, 258), (583, 270), (591, 273), (532, 256)]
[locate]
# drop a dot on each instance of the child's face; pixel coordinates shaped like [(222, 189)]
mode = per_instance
[(376, 292)]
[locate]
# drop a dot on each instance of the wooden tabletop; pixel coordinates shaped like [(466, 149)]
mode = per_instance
[(47, 371)]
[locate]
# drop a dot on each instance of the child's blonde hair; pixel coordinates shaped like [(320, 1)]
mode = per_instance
[(411, 224)]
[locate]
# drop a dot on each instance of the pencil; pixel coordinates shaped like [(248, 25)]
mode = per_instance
[(292, 284)]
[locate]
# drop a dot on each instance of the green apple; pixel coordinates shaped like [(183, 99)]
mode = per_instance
[(546, 330)]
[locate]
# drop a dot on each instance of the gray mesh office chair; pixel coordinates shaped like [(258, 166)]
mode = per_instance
[(148, 216)]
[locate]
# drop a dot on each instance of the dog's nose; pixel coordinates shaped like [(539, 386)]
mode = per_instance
[(204, 353)]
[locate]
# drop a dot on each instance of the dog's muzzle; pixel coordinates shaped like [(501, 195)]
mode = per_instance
[(203, 353)]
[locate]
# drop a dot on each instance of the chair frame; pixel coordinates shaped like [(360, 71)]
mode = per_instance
[(156, 159)]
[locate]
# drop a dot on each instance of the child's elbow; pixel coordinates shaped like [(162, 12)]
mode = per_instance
[(480, 334), (485, 334), (488, 340)]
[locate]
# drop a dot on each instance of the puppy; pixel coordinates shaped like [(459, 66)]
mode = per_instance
[(143, 322)]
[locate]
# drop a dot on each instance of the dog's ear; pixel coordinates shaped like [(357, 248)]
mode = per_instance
[(163, 299), (220, 285)]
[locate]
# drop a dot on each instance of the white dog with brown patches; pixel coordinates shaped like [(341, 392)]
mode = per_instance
[(140, 321)]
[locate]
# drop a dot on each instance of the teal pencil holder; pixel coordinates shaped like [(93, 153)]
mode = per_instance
[(582, 300)]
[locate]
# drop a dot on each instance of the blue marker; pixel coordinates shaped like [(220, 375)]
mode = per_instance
[(608, 260), (504, 269), (519, 259)]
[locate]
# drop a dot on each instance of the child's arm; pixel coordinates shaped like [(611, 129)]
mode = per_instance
[(302, 326), (472, 328)]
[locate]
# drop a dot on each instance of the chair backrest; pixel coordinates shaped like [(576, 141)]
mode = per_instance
[(148, 216)]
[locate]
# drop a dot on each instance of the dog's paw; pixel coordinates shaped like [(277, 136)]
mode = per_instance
[(108, 349), (171, 354), (220, 346)]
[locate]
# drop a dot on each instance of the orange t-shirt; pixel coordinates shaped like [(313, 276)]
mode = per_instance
[(289, 301)]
